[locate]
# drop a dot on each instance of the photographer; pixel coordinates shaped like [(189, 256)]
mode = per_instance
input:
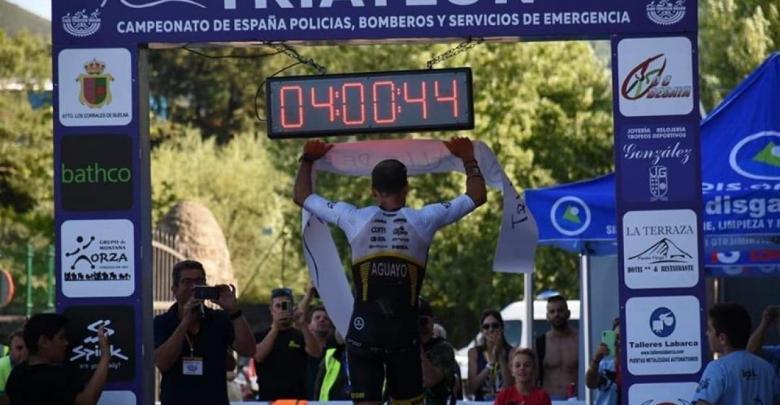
[(282, 351), (192, 341)]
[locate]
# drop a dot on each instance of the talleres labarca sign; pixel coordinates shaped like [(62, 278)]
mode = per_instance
[(119, 21)]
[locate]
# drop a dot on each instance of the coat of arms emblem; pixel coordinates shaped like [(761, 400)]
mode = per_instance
[(95, 85)]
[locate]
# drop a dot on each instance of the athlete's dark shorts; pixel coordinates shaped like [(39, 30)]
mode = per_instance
[(367, 374)]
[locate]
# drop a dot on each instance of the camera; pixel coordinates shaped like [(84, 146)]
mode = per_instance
[(285, 305), (203, 292)]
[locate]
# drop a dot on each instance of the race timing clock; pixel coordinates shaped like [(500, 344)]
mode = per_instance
[(401, 101)]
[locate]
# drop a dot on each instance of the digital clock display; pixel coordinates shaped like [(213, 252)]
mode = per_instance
[(402, 101)]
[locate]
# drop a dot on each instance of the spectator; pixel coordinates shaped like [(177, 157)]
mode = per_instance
[(192, 341), (331, 383), (770, 353), (320, 326), (43, 379), (602, 374), (282, 351), (525, 390), (439, 368), (737, 376), (558, 350), (17, 355), (489, 362)]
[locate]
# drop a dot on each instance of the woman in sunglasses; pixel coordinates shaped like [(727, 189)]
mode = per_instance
[(489, 362)]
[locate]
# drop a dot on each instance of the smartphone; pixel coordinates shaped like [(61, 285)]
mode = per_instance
[(608, 338), (285, 306), (203, 292)]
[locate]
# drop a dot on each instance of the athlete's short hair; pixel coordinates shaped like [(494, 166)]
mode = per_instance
[(389, 176), (734, 321), (557, 298)]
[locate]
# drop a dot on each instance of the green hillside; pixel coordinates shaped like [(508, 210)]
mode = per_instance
[(14, 19)]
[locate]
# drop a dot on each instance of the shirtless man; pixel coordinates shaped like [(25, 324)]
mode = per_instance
[(558, 350)]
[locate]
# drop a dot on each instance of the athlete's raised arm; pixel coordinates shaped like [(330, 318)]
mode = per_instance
[(475, 183), (312, 151)]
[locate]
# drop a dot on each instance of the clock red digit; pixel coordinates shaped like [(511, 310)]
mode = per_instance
[(345, 102), (452, 98), (326, 104), (422, 100), (298, 93), (377, 96)]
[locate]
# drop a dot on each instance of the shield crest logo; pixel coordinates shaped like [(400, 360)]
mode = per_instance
[(659, 183), (95, 88)]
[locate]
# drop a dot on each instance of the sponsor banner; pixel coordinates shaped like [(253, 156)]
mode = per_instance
[(96, 172), (663, 335), (124, 21), (82, 334), (95, 87), (655, 76), (97, 258), (744, 271), (660, 249), (662, 394), (117, 398), (664, 155)]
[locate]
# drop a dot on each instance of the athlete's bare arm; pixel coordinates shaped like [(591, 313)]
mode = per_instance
[(312, 151), (475, 183)]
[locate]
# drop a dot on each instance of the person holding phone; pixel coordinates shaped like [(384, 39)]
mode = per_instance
[(192, 341), (602, 374), (771, 353), (283, 350)]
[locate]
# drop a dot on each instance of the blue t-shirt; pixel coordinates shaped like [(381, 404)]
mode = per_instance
[(736, 378), (211, 345), (607, 391)]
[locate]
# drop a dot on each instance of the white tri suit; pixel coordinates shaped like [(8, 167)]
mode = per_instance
[(389, 255)]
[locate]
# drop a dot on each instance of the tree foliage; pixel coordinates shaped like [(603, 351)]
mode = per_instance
[(735, 36), (26, 188)]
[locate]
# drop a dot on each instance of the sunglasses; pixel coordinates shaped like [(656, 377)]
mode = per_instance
[(492, 325)]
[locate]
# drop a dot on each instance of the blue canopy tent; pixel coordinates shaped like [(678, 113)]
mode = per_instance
[(740, 157)]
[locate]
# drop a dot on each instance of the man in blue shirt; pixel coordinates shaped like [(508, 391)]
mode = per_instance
[(771, 353), (738, 376), (191, 341)]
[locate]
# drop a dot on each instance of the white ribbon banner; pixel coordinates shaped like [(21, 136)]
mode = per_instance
[(517, 238)]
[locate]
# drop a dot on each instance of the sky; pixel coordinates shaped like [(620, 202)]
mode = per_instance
[(39, 7)]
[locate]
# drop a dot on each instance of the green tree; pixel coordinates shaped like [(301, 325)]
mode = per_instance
[(26, 190), (734, 38)]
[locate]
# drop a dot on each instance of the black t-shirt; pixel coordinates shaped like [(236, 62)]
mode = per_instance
[(43, 384), (282, 375), (313, 368), (211, 344)]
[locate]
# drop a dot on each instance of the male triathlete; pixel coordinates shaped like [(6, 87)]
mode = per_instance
[(389, 252)]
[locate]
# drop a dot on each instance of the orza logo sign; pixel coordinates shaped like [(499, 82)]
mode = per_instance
[(757, 156), (570, 215)]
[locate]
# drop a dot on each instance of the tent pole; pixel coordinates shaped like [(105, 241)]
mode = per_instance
[(585, 326), (528, 297)]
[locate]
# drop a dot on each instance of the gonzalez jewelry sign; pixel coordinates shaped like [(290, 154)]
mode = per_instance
[(201, 20)]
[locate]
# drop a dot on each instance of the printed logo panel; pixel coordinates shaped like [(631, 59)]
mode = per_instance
[(96, 172), (82, 333), (661, 159), (97, 258), (655, 76), (660, 249), (95, 85), (663, 335), (662, 394)]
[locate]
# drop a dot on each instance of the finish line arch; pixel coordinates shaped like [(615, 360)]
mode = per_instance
[(102, 165)]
